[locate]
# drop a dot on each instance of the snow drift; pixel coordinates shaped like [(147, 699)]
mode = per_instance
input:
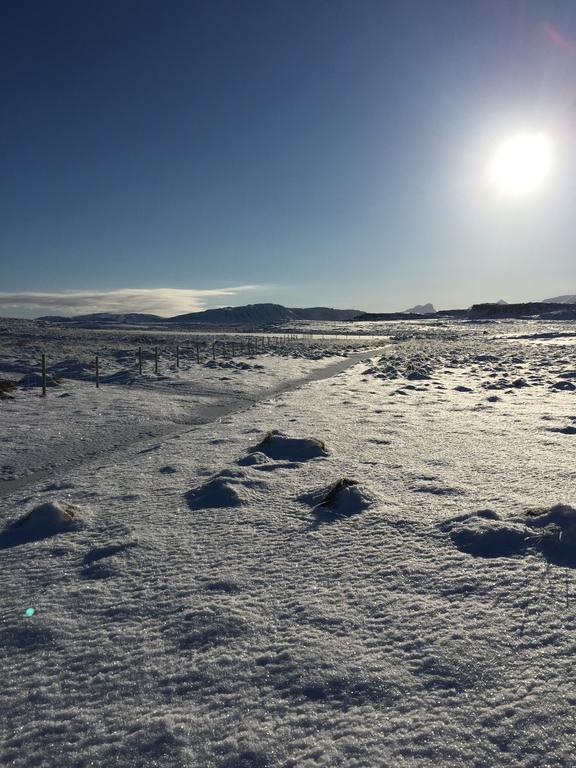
[(42, 521)]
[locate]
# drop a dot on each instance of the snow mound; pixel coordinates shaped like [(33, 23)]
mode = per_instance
[(228, 489), (278, 446), (550, 532), (42, 521), (344, 498), (563, 385), (569, 430), (31, 380), (489, 538), (254, 459), (556, 531)]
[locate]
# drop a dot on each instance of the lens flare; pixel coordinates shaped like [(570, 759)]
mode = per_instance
[(522, 163)]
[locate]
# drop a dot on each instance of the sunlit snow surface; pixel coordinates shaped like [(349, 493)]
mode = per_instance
[(386, 580)]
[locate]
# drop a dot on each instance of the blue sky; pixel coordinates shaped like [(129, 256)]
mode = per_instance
[(304, 152)]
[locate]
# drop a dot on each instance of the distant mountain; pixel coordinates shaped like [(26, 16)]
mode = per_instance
[(252, 314), (542, 309), (325, 313), (443, 313), (128, 318), (262, 314), (569, 298), (421, 309)]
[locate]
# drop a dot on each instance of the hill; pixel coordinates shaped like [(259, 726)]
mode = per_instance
[(569, 298), (262, 314), (128, 318), (251, 314), (542, 309)]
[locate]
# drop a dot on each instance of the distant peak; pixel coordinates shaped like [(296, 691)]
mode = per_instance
[(421, 309)]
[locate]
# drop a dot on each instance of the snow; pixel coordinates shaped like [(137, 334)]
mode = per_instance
[(359, 570), (47, 519), (551, 533), (279, 446)]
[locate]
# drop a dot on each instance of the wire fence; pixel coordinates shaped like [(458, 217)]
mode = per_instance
[(125, 366)]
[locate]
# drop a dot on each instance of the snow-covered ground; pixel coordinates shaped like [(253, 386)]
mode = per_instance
[(76, 421), (371, 569)]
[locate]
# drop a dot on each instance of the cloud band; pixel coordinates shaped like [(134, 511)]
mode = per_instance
[(157, 301)]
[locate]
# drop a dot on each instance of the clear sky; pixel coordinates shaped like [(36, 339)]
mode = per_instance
[(306, 152)]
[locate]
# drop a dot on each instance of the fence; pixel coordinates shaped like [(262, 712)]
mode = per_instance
[(197, 351)]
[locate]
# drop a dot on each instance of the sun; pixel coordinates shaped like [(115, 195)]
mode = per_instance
[(521, 164)]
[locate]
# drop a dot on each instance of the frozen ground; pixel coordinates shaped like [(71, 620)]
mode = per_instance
[(76, 421), (375, 569)]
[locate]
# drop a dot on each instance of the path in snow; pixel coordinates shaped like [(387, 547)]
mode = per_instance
[(211, 405)]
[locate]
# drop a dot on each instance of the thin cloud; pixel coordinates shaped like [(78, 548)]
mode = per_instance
[(157, 301)]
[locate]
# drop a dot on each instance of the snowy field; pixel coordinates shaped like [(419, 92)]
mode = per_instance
[(77, 421), (343, 558)]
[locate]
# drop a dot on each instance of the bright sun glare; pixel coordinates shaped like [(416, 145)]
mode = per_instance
[(521, 163)]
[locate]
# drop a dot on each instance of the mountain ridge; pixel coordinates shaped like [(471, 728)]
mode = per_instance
[(264, 313), (269, 313)]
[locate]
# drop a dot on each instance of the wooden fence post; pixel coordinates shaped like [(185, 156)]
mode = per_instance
[(97, 372), (198, 352), (177, 356), (155, 359), (43, 375), (213, 351)]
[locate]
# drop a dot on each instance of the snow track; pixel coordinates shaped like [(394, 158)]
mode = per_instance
[(54, 457)]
